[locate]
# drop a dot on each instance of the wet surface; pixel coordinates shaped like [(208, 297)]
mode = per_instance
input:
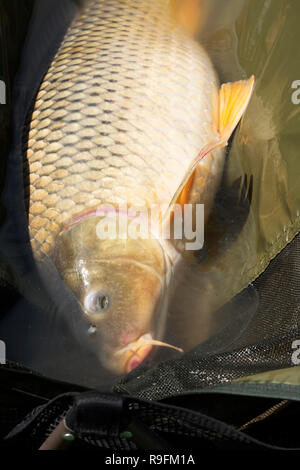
[(43, 327)]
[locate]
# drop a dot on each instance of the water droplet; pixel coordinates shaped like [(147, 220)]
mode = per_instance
[(92, 330)]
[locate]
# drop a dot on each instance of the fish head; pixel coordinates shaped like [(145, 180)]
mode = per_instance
[(120, 301), (120, 286)]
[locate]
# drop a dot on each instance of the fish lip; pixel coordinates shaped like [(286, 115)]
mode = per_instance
[(137, 349), (137, 357), (134, 345)]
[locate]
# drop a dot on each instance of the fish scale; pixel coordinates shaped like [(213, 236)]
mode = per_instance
[(123, 110), (130, 112)]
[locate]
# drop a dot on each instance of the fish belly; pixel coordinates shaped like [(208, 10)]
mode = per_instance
[(127, 103)]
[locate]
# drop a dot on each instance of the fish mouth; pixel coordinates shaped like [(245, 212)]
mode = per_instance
[(134, 353), (136, 358)]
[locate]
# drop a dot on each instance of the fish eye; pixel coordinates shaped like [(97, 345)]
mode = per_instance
[(96, 302)]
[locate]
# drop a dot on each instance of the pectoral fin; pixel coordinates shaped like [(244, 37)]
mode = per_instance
[(233, 101)]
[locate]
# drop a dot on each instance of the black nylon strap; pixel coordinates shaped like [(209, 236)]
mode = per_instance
[(102, 419)]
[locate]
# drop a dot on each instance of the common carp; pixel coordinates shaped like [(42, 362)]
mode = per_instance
[(130, 113)]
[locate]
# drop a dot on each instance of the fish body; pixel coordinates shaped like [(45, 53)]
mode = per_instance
[(125, 107), (127, 104)]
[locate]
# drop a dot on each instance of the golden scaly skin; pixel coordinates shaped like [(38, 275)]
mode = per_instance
[(124, 108), (127, 103)]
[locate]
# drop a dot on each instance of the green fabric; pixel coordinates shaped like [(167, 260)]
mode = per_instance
[(269, 138), (290, 376), (281, 384), (258, 37)]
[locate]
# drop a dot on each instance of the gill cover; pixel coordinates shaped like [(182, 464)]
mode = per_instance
[(119, 283)]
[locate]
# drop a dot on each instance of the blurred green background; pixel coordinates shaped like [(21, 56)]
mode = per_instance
[(245, 37)]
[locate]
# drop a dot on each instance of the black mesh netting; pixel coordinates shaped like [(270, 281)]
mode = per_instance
[(265, 344), (105, 421), (31, 406), (210, 421)]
